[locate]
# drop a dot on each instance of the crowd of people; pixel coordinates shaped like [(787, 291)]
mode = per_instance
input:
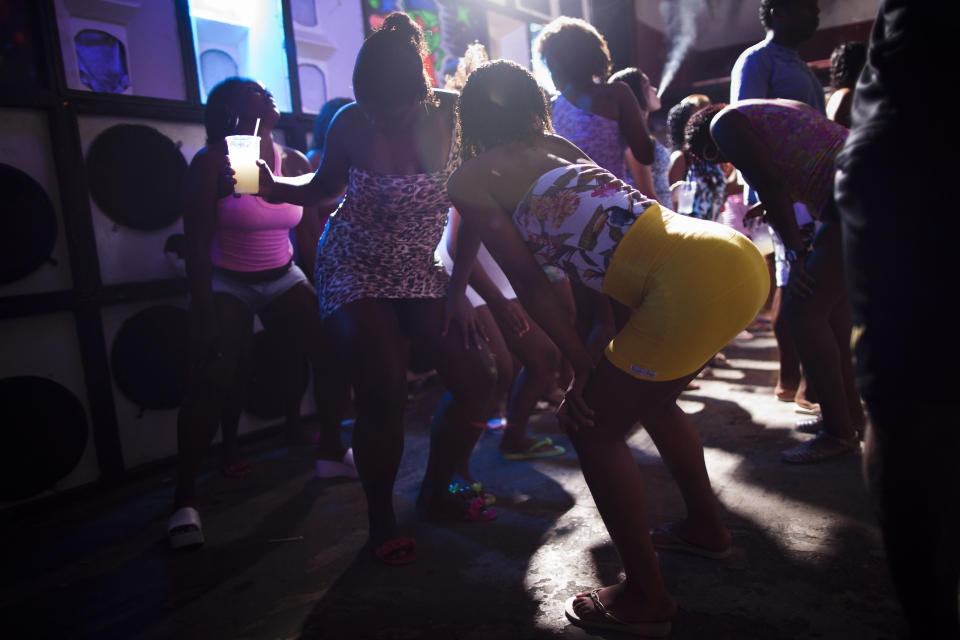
[(529, 249)]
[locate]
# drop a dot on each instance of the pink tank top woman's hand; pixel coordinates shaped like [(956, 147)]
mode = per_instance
[(266, 179)]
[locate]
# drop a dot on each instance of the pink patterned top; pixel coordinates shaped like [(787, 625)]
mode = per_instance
[(804, 143)]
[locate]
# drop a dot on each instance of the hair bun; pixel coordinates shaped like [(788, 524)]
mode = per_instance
[(403, 25)]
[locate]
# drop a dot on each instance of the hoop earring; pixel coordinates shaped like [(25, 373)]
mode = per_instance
[(713, 158)]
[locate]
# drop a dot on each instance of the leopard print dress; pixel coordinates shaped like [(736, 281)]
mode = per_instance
[(380, 243)]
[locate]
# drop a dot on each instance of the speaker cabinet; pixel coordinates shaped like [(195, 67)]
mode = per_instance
[(48, 441), (35, 258), (135, 195)]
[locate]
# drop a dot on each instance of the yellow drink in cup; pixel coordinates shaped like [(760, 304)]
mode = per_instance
[(244, 151)]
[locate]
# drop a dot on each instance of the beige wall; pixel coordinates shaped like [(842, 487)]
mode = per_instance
[(727, 22)]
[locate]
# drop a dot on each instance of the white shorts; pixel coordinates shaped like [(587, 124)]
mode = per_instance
[(257, 295)]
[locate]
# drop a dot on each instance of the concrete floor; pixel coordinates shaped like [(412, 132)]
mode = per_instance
[(284, 556)]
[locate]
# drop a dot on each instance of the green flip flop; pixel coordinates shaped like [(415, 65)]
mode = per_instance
[(542, 448)]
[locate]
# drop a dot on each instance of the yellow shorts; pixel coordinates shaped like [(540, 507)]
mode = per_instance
[(692, 284)]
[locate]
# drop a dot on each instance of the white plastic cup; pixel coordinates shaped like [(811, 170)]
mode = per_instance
[(686, 190), (244, 151)]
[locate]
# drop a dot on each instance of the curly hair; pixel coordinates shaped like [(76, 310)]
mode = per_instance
[(679, 114), (636, 80), (389, 69), (696, 135), (572, 49), (846, 62), (501, 102), (473, 57)]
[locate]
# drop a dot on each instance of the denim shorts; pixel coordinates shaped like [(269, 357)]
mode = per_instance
[(257, 295)]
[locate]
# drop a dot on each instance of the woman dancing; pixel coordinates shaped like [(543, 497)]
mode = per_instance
[(393, 151), (787, 151), (239, 263), (532, 198)]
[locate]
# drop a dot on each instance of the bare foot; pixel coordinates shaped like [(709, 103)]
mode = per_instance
[(785, 394), (626, 605)]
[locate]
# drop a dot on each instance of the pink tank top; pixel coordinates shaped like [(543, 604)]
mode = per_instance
[(252, 234)]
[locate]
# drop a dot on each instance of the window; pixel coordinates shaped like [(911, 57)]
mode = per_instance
[(248, 32), (215, 67), (304, 12), (313, 88)]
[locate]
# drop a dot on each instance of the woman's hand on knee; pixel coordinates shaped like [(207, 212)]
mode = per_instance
[(459, 311), (573, 413)]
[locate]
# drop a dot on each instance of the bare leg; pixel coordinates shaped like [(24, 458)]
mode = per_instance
[(209, 383), (841, 326), (230, 462), (295, 315), (822, 334), (504, 365), (789, 377), (617, 486), (540, 359), (818, 333), (369, 344), (562, 289), (470, 376)]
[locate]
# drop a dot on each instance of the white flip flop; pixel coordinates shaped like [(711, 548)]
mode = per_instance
[(190, 533)]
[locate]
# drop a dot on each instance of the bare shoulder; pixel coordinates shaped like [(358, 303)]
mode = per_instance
[(470, 175), (565, 149), (208, 161), (347, 116)]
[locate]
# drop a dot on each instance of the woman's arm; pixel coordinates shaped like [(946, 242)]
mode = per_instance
[(484, 219), (839, 106), (642, 176), (502, 308), (307, 234), (327, 185), (633, 126)]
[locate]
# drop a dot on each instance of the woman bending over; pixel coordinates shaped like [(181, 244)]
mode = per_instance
[(533, 199)]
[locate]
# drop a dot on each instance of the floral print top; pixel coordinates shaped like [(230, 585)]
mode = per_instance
[(574, 216), (711, 188)]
